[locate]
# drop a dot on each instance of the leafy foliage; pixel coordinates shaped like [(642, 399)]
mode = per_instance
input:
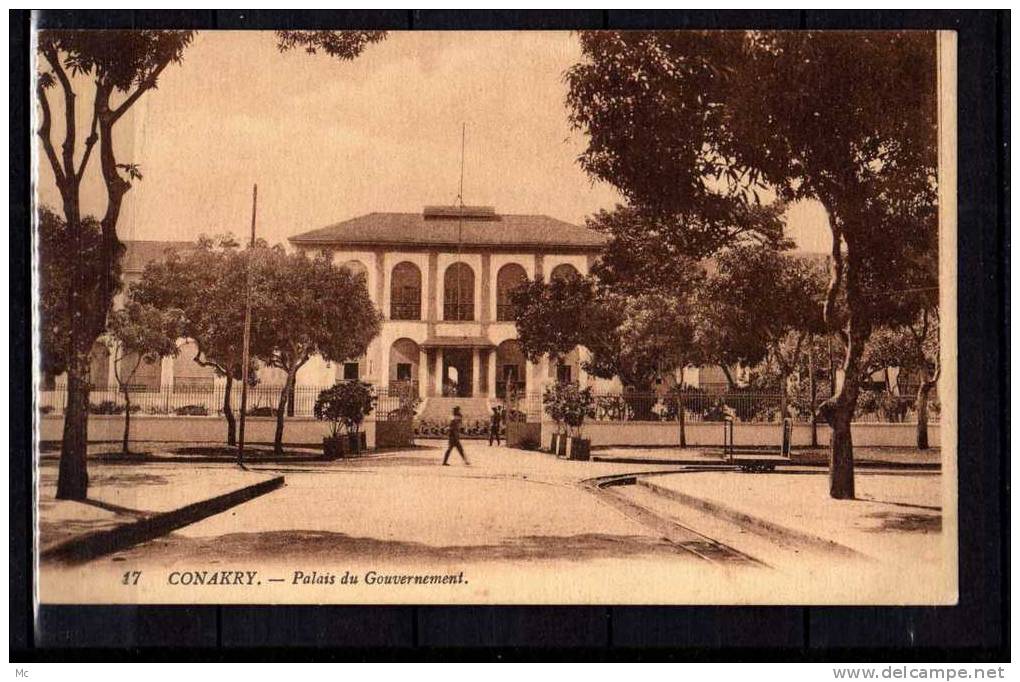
[(144, 332), (56, 280), (569, 405), (345, 404), (704, 123), (342, 45), (204, 284)]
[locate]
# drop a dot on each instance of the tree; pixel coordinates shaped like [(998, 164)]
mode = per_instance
[(56, 279), (556, 317), (139, 333), (913, 348), (204, 283), (121, 65), (696, 123), (304, 306), (765, 304)]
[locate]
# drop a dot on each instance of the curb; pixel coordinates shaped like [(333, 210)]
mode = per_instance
[(651, 460), (753, 524), (98, 543)]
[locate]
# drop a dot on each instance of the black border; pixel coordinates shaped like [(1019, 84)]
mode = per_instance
[(975, 630)]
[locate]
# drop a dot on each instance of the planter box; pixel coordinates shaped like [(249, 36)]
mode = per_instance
[(332, 448), (579, 449), (524, 435)]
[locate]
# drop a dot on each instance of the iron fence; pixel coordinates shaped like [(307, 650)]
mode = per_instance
[(742, 405), (391, 402), (398, 400)]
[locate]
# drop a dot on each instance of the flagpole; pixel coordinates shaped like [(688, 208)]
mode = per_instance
[(247, 329)]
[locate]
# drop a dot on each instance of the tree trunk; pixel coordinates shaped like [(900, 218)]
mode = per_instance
[(922, 414), (784, 399), (127, 420), (73, 476), (730, 383), (681, 417), (814, 394), (281, 413), (841, 457), (228, 412)]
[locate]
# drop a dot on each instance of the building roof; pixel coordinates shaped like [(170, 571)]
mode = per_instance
[(476, 226), (138, 253), (457, 342)]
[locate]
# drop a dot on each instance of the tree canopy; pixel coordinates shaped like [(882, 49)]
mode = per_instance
[(57, 279), (705, 125)]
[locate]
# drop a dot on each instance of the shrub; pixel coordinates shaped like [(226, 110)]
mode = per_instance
[(106, 407), (529, 442), (264, 411), (569, 406), (192, 410), (407, 408), (345, 405)]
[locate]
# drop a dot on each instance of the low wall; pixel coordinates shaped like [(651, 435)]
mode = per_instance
[(744, 434), (103, 427), (520, 433), (394, 434)]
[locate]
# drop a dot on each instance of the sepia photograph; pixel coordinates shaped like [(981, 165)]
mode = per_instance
[(655, 317)]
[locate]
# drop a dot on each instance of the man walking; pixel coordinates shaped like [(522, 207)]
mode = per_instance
[(495, 421), (455, 423)]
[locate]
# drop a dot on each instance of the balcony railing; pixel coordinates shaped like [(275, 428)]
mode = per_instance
[(459, 312), (405, 311)]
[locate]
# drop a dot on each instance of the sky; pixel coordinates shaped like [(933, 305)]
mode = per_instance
[(326, 140)]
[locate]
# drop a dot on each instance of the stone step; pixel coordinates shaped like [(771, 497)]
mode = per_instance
[(440, 408)]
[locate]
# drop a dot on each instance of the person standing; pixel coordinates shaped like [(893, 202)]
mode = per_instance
[(495, 421), (455, 426)]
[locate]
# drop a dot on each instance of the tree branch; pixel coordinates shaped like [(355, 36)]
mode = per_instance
[(93, 137), (53, 58), (147, 84), (44, 133)]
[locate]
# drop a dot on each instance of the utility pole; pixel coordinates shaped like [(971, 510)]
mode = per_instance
[(247, 329), (814, 392)]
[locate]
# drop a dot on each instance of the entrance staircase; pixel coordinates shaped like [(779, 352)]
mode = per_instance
[(439, 409)]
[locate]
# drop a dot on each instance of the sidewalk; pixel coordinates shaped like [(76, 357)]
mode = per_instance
[(897, 517), (863, 456), (138, 500)]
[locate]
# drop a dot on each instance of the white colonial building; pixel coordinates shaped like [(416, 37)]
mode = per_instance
[(441, 279)]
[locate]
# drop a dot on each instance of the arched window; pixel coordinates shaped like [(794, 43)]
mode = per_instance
[(564, 271), (459, 293), (404, 356), (509, 277), (405, 292), (510, 369), (357, 268)]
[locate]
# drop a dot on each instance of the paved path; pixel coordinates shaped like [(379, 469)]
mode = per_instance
[(406, 506), (516, 527)]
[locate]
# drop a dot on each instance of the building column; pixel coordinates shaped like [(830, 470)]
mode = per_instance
[(383, 371), (111, 369), (166, 373), (423, 372), (491, 367), (439, 371), (430, 371), (476, 370)]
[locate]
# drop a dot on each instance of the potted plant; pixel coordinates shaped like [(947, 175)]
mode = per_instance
[(552, 401), (344, 405), (578, 405)]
